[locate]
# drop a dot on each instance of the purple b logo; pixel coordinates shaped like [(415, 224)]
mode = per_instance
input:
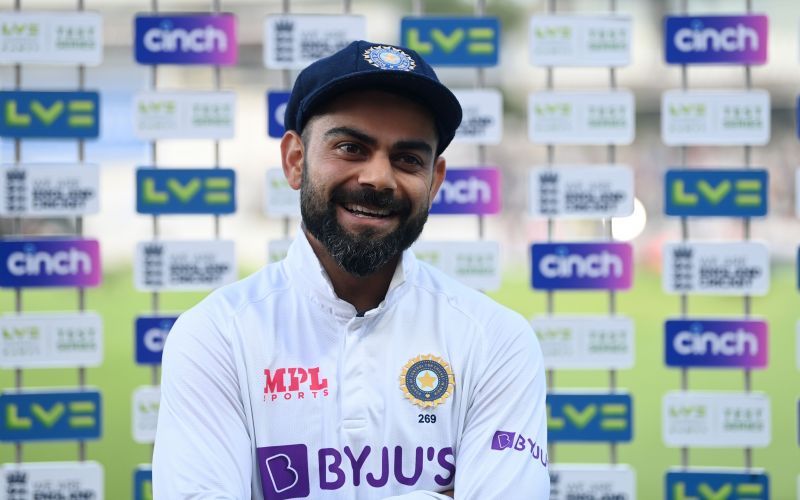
[(284, 471), (502, 440)]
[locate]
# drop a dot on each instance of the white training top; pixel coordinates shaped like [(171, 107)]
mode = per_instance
[(274, 388)]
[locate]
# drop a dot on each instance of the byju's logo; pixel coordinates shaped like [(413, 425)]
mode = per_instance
[(716, 39), (49, 263), (284, 471), (151, 334), (728, 193), (52, 115), (453, 41), (46, 416), (589, 417), (504, 440), (185, 191), (689, 485), (186, 39), (577, 266), (716, 343), (294, 383), (474, 191)]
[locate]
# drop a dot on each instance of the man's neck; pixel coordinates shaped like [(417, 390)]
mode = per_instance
[(365, 292)]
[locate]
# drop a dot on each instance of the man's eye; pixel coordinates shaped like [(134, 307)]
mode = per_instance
[(409, 160), (349, 148)]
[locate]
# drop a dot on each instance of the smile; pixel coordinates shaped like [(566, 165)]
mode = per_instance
[(362, 211)]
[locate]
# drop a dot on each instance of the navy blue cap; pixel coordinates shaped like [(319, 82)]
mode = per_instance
[(367, 65)]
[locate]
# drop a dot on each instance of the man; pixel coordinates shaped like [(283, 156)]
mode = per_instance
[(349, 369)]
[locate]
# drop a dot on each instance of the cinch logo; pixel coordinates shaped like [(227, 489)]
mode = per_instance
[(589, 417), (474, 191), (453, 41), (276, 109), (728, 193), (143, 484), (504, 440), (285, 472), (581, 266), (716, 486), (61, 115), (35, 263), (151, 334), (38, 416), (186, 39), (716, 343), (294, 383), (716, 39), (185, 191)]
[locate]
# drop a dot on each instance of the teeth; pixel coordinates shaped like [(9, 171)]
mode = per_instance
[(364, 210)]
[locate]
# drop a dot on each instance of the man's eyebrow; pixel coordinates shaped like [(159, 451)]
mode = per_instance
[(361, 136)]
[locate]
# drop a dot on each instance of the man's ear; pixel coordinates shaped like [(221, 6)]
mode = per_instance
[(439, 168), (292, 156)]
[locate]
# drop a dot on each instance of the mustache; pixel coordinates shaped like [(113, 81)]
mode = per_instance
[(370, 197)]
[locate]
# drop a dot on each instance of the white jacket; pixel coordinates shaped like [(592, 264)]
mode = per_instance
[(274, 388)]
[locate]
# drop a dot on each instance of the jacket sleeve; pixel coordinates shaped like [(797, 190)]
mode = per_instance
[(503, 449), (202, 448)]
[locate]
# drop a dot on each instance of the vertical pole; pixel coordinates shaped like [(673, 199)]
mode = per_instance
[(287, 84), (480, 82), (609, 234), (748, 382), (216, 7), (684, 297), (17, 229), (551, 156)]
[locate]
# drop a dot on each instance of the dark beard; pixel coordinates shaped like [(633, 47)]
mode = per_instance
[(364, 253)]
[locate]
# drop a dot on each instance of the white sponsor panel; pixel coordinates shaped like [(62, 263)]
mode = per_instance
[(146, 400), (568, 40), (184, 265), (280, 200), (715, 117), (585, 342), (592, 482), (716, 268), (49, 189), (295, 41), (581, 191), (277, 250), (184, 115), (797, 192), (52, 480), (474, 263), (62, 38), (52, 340), (591, 118), (482, 121), (716, 419)]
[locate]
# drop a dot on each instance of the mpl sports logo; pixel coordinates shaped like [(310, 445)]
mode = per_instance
[(716, 39), (294, 383), (286, 470), (712, 484), (49, 263), (473, 191), (716, 343), (186, 39), (582, 266)]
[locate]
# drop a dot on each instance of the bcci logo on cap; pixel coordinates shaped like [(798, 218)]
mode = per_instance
[(427, 381), (391, 58)]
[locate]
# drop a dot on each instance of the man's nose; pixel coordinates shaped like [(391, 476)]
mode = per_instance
[(378, 174)]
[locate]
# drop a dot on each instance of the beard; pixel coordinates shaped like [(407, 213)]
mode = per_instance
[(363, 253)]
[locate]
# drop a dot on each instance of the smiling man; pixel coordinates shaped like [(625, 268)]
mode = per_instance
[(349, 369)]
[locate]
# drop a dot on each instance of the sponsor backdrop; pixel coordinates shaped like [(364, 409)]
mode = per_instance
[(600, 447)]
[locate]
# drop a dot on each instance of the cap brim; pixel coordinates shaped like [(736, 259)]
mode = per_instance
[(433, 95)]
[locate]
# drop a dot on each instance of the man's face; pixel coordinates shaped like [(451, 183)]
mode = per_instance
[(369, 173)]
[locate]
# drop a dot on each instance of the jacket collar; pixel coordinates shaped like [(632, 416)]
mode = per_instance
[(306, 271)]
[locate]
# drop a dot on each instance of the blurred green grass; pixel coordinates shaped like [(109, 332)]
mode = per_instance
[(648, 381)]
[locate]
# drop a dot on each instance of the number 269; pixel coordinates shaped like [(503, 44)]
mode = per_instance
[(426, 419)]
